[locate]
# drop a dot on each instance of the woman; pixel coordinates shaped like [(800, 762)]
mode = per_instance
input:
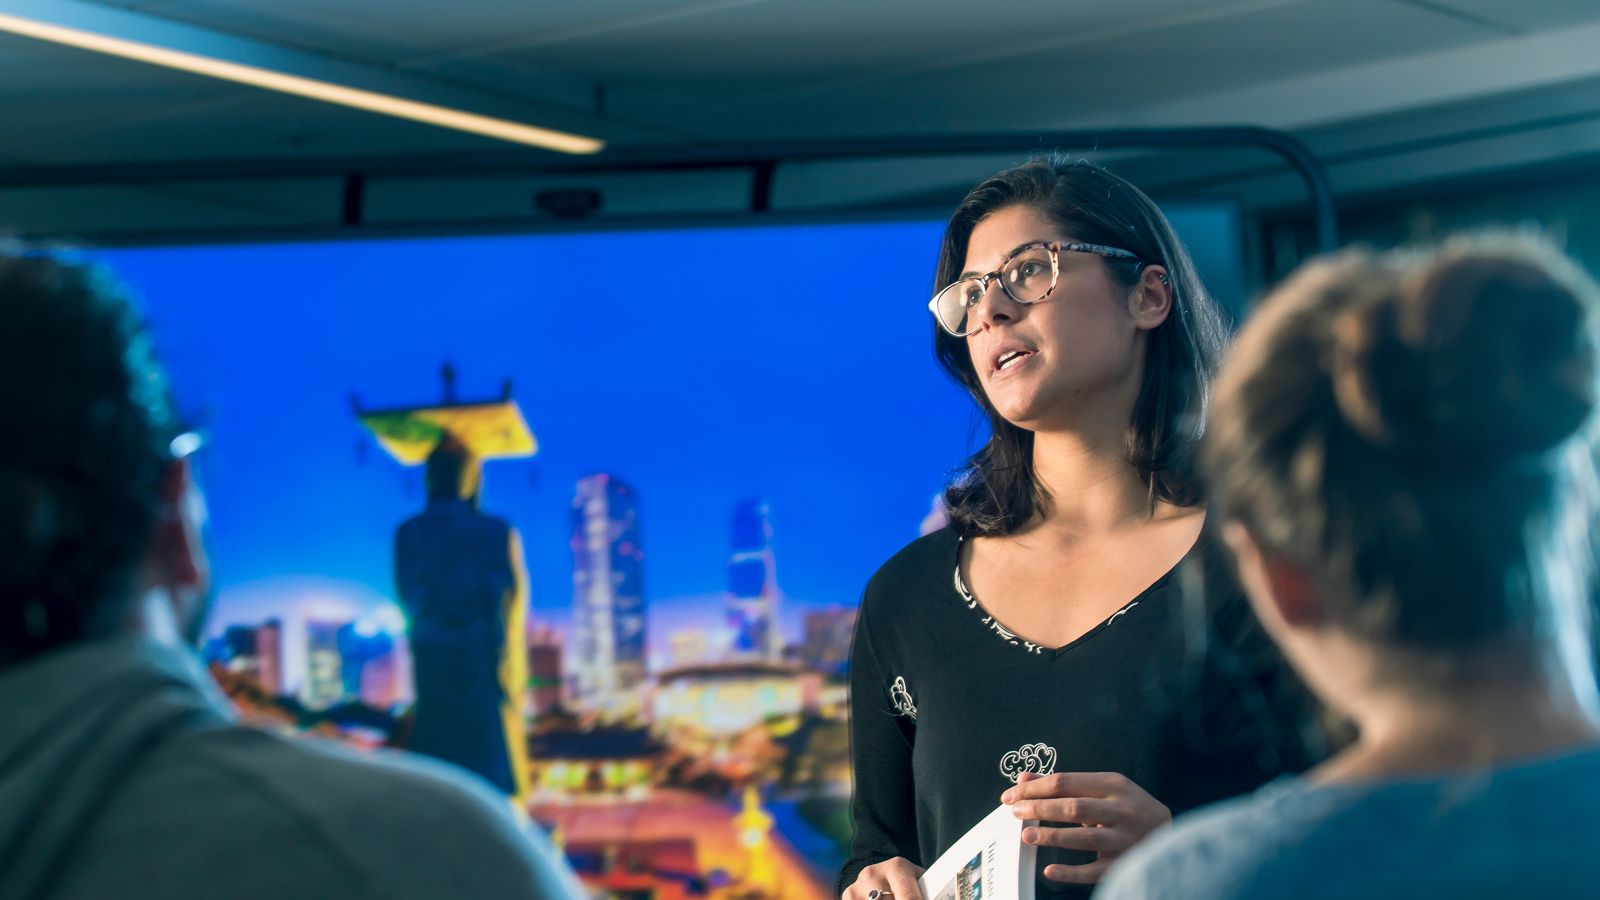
[(1059, 643), (1402, 453)]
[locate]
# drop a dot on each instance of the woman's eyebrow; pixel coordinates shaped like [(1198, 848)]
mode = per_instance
[(971, 273)]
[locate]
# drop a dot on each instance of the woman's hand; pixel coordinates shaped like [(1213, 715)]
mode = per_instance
[(1115, 814), (896, 878)]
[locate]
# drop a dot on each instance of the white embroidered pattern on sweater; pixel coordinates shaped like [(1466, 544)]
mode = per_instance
[(1007, 634), (900, 696), (1038, 758)]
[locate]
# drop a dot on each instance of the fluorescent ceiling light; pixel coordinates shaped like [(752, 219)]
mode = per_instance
[(371, 101)]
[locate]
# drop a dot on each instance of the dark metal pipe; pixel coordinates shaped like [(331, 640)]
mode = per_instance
[(355, 197), (759, 157)]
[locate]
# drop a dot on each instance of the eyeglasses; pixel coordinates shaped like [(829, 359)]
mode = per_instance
[(186, 444), (1028, 275)]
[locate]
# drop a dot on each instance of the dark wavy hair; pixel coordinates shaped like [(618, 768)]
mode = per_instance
[(88, 427), (996, 492)]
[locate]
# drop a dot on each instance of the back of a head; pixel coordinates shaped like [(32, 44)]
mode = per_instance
[(149, 792), (1403, 426), (88, 426), (451, 472)]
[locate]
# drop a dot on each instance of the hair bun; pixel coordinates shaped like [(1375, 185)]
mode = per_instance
[(1485, 355)]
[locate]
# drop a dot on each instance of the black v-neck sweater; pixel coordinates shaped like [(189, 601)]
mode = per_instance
[(1179, 690)]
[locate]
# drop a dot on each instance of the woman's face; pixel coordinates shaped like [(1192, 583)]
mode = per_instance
[(1046, 365)]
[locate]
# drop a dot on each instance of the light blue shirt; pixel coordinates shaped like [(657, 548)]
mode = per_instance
[(1527, 830), (123, 774)]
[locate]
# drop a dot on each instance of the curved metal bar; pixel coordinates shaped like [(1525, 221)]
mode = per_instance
[(761, 158)]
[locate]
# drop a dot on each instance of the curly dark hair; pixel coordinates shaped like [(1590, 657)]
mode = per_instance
[(88, 425)]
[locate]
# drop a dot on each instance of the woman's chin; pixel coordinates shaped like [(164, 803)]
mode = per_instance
[(1025, 415)]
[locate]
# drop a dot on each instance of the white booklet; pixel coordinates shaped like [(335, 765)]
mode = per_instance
[(990, 862)]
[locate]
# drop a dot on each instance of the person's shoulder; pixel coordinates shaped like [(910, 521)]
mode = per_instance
[(1208, 853), (927, 563), (339, 778), (380, 806)]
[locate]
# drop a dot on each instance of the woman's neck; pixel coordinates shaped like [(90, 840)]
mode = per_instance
[(1091, 487), (1492, 722)]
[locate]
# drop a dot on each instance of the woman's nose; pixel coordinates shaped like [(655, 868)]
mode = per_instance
[(994, 307)]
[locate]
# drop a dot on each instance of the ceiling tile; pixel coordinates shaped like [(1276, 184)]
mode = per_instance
[(383, 30), (1538, 16), (1052, 87), (29, 66), (723, 69), (774, 43), (388, 35)]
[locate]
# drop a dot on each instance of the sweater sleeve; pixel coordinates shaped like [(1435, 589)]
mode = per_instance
[(883, 806)]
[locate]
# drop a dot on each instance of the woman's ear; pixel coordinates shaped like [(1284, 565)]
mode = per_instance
[(1279, 590), (1151, 300), (177, 555)]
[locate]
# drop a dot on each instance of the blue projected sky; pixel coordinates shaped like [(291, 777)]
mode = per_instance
[(701, 366)]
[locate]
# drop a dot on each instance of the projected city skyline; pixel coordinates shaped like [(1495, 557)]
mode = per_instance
[(701, 406), (734, 428)]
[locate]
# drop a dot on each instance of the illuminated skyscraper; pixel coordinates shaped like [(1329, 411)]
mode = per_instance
[(544, 669), (404, 679), (323, 685), (236, 651), (607, 597), (753, 585), (379, 685), (254, 651), (827, 639), (240, 644), (240, 651), (269, 657), (690, 647), (362, 645)]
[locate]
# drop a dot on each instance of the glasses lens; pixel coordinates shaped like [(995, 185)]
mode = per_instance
[(1030, 275), (955, 301)]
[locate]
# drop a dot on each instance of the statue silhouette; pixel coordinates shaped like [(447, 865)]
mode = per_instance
[(460, 578)]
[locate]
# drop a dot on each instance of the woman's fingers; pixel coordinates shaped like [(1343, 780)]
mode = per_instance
[(903, 883), (861, 890), (1070, 784), (1078, 810), (1115, 814), (1089, 873), (1094, 840), (1088, 798), (892, 879)]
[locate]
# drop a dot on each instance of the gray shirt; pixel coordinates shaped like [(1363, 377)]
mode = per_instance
[(122, 774), (1526, 830)]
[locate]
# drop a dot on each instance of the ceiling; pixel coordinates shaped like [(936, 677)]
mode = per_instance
[(1389, 92)]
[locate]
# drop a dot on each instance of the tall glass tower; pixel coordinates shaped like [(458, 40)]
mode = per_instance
[(753, 585), (608, 597)]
